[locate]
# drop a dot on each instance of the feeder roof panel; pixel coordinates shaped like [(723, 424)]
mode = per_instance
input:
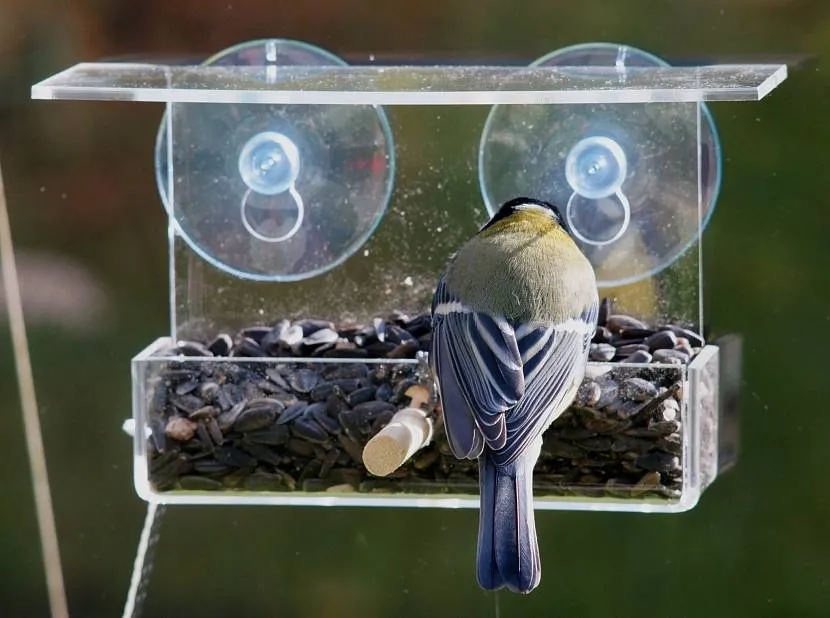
[(410, 85)]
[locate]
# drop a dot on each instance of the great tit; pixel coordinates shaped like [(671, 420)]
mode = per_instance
[(513, 314)]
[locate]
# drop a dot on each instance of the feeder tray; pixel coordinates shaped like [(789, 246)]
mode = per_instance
[(305, 246)]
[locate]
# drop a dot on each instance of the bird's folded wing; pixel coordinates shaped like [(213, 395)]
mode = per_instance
[(553, 357), (479, 368)]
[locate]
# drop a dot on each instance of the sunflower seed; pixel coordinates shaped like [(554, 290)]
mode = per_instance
[(638, 389), (661, 340), (275, 435), (221, 346), (310, 430), (311, 326), (192, 348), (291, 336), (640, 356), (671, 356), (292, 412), (255, 417), (228, 418), (247, 347), (234, 457), (199, 483), (617, 322), (265, 481), (601, 352), (303, 380), (256, 333)]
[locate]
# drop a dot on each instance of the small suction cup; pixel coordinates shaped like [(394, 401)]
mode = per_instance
[(275, 192), (269, 163), (596, 167), (624, 175)]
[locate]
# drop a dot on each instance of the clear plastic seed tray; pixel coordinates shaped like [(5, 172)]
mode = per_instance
[(292, 431), (312, 206)]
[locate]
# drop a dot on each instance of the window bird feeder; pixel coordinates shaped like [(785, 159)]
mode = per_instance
[(305, 245)]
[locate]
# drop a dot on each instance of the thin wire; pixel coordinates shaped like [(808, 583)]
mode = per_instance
[(31, 420), (143, 564)]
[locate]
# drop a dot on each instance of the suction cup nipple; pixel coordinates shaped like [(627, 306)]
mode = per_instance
[(269, 164), (595, 169)]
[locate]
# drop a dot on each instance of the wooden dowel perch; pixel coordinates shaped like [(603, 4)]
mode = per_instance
[(408, 431)]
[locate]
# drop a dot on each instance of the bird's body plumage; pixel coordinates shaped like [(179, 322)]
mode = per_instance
[(504, 276), (513, 316)]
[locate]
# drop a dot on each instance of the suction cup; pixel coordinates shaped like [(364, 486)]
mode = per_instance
[(275, 192), (624, 175)]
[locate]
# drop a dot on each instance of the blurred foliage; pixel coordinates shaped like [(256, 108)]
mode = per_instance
[(80, 183)]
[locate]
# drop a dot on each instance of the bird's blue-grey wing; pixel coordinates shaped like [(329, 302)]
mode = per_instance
[(477, 361), (553, 358)]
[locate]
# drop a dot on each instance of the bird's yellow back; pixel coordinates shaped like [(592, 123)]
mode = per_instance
[(524, 267)]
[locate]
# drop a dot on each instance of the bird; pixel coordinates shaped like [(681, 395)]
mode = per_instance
[(513, 312)]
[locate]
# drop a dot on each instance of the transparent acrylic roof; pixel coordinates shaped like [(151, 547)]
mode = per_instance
[(410, 85)]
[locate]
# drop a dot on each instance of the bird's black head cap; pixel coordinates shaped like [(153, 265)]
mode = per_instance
[(514, 205)]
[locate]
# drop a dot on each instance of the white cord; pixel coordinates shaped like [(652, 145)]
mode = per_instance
[(31, 420), (143, 564)]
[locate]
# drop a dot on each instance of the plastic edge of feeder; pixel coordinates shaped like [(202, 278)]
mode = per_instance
[(67, 85), (701, 448), (689, 497), (730, 372)]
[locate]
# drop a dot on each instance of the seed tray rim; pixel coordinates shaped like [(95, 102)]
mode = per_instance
[(397, 500), (149, 354)]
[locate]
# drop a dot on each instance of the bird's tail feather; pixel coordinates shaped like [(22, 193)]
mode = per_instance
[(508, 552), (487, 571)]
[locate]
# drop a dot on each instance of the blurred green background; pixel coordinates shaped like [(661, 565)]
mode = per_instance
[(90, 230)]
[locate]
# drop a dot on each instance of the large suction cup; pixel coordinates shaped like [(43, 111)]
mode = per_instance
[(624, 175), (275, 192)]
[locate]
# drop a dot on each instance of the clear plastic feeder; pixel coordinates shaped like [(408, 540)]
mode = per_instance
[(297, 333)]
